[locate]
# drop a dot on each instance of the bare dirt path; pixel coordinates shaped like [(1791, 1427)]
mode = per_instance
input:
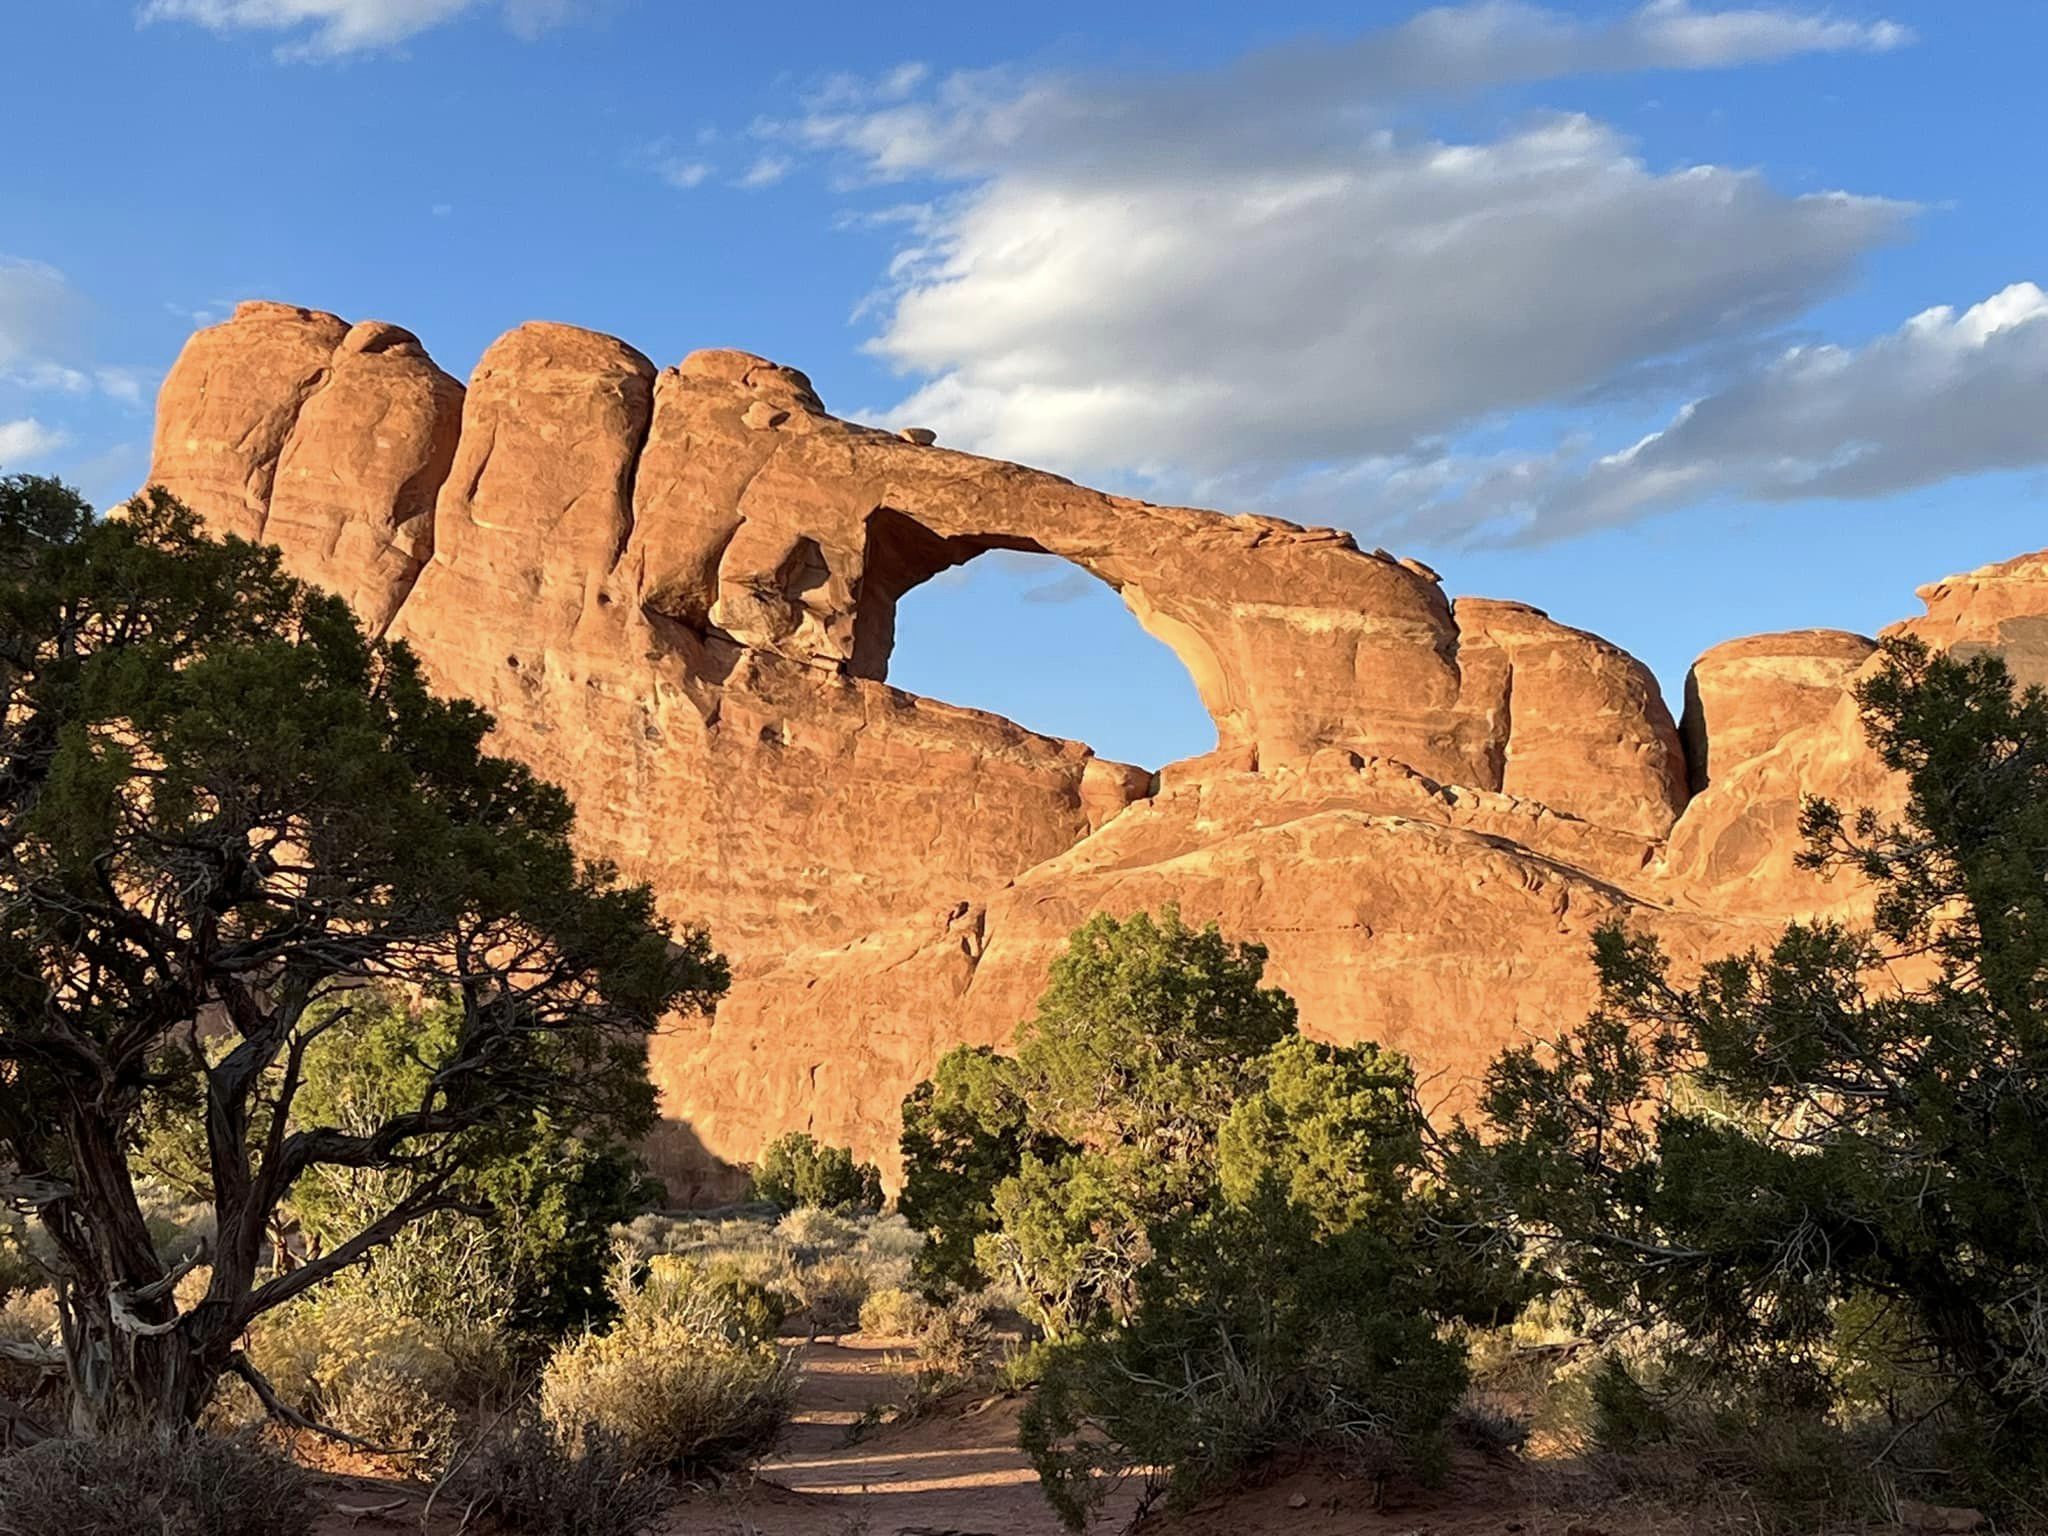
[(959, 1472), (955, 1473)]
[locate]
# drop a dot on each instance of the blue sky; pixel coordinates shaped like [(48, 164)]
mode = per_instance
[(1610, 308)]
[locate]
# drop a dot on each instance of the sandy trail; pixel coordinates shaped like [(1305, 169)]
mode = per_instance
[(958, 1472)]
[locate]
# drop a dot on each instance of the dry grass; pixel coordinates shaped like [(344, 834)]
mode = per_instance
[(529, 1479), (193, 1485), (683, 1380)]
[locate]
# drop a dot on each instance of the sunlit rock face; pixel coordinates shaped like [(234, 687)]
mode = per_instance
[(676, 588)]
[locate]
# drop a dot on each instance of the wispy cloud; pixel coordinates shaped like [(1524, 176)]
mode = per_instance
[(766, 171), (673, 165), (42, 350), (23, 442), (1948, 393), (326, 29)]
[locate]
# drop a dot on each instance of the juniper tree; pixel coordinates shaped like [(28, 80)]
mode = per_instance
[(1853, 1116), (223, 810)]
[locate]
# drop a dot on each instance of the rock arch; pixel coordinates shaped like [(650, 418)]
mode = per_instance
[(676, 590)]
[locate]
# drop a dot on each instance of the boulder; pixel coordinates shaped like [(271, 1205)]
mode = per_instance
[(1745, 696)]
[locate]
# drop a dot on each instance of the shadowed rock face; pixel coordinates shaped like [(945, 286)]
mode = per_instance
[(676, 591)]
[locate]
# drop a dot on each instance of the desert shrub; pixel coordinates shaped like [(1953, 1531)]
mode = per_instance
[(830, 1293), (29, 1318), (710, 1297), (1849, 1115), (894, 1311), (537, 1266), (795, 1171), (194, 1485), (821, 1264), (30, 1341), (956, 1337), (888, 1245), (682, 1380), (370, 1372), (18, 1268), (1489, 1428), (1250, 1334), (536, 1482), (814, 1231)]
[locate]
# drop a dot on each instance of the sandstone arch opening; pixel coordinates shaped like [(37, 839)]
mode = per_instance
[(1037, 639)]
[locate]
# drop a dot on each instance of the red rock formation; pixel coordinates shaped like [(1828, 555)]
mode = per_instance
[(1745, 696), (676, 591)]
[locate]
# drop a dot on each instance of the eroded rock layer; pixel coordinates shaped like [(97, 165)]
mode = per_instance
[(676, 590)]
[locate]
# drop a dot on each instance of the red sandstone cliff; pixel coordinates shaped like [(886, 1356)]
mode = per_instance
[(676, 591)]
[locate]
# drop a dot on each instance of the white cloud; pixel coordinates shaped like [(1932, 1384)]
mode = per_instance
[(1312, 91), (26, 439), (41, 318), (1253, 286), (683, 174), (1946, 394), (331, 28), (1321, 307), (766, 171)]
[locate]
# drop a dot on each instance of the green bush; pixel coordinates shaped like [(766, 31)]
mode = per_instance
[(1849, 1115), (194, 1485), (537, 1266), (963, 1134), (1626, 1417), (1251, 1334), (1147, 1034), (1237, 1240), (795, 1171)]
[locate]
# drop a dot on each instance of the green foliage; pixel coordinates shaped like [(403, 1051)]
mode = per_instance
[(222, 808), (1146, 1034), (1625, 1416), (18, 1269), (546, 1192), (1849, 1121), (1054, 1167), (963, 1134), (796, 1172), (1333, 1126), (1234, 1236), (1251, 1333), (531, 1250)]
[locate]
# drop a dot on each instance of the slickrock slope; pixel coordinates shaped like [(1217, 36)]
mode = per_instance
[(676, 590)]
